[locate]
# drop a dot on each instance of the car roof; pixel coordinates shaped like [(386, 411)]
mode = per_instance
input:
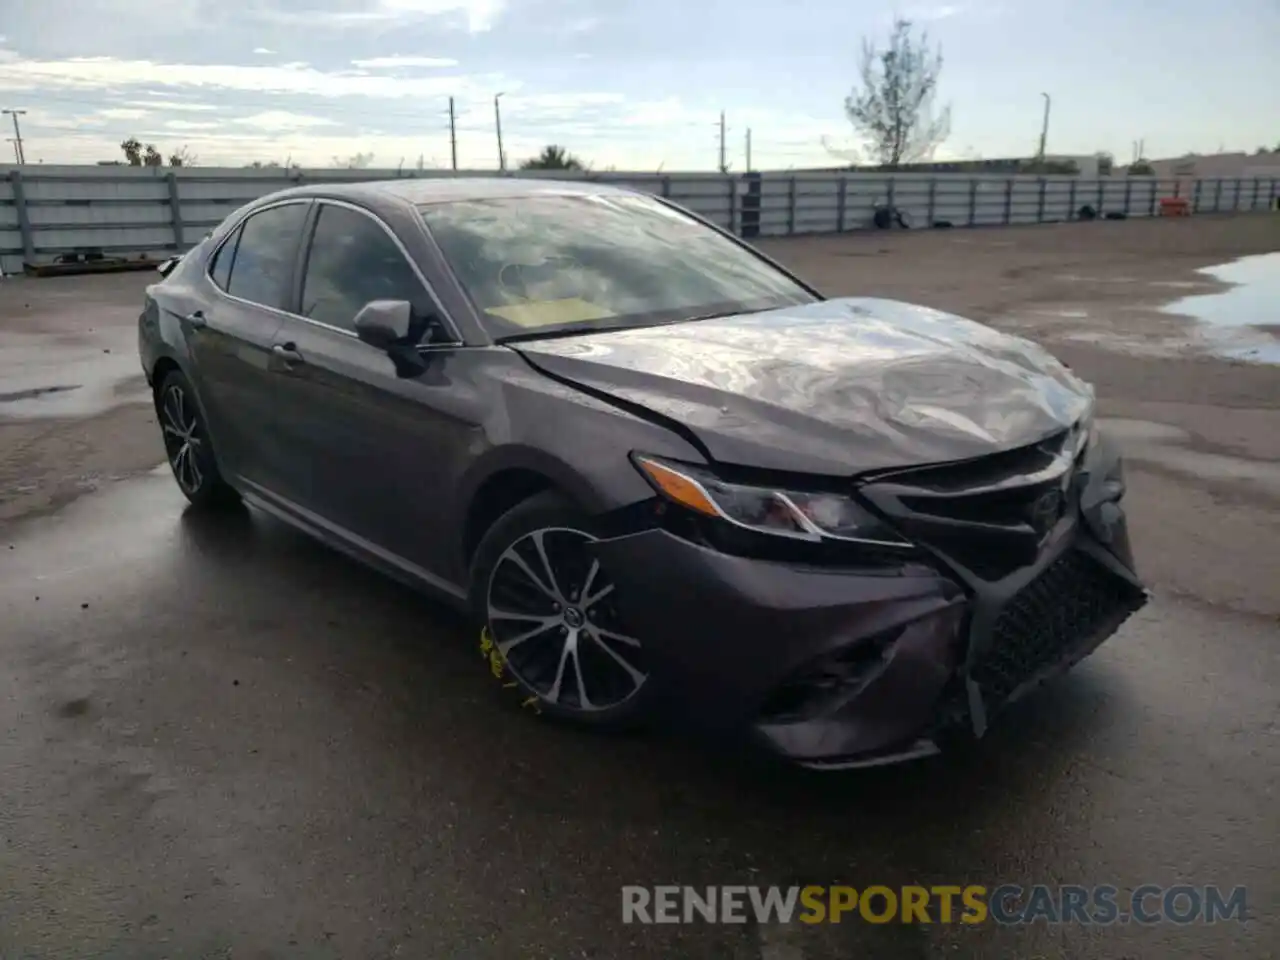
[(421, 191)]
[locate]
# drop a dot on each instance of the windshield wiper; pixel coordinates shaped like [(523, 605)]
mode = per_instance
[(715, 315), (609, 328), (575, 331), (556, 332)]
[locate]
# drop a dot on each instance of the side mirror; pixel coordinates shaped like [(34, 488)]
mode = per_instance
[(385, 324)]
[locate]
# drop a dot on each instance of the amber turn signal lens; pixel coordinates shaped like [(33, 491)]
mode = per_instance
[(676, 486)]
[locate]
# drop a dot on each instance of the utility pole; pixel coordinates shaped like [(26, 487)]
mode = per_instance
[(453, 136), (18, 150), (1044, 128), (723, 167), (748, 149), (497, 122)]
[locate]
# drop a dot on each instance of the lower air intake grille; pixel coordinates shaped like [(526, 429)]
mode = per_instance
[(1075, 604)]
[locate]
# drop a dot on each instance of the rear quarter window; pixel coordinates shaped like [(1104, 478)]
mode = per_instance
[(264, 253), (220, 266)]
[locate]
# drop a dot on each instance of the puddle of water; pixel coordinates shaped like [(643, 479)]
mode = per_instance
[(61, 376), (1229, 317), (1262, 353)]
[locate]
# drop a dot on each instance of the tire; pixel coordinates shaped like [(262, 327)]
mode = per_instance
[(612, 689), (187, 445)]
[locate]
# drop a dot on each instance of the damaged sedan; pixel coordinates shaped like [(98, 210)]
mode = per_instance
[(666, 477)]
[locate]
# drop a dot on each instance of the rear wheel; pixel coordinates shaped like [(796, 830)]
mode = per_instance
[(187, 445), (550, 624)]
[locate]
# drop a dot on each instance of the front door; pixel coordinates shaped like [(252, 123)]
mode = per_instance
[(371, 453), (232, 337)]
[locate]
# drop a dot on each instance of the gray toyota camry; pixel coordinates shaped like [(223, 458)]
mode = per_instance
[(667, 477)]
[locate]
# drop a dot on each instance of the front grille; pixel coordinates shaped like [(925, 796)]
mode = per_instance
[(989, 517), (1055, 620), (1075, 604), (958, 477)]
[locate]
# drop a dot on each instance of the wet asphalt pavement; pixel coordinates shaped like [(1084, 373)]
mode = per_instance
[(218, 734), (218, 739)]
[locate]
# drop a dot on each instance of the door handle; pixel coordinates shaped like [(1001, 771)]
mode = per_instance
[(197, 320), (285, 356)]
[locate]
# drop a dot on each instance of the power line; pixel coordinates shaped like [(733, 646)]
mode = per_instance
[(255, 142)]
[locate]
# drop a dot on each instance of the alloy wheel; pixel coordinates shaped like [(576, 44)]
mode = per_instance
[(183, 438), (552, 616)]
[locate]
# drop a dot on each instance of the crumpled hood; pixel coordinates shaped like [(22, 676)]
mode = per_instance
[(837, 387)]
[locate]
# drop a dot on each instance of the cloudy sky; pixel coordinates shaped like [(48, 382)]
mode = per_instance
[(621, 83)]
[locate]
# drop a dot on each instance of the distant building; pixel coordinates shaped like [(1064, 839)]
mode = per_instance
[(1216, 166)]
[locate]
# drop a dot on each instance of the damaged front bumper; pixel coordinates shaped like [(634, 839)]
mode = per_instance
[(838, 668)]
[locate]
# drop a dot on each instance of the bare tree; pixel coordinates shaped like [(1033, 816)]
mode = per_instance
[(132, 151), (183, 157), (360, 161), (894, 109), (152, 157), (850, 155)]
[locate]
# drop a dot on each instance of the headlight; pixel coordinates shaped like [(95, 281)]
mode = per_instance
[(786, 513)]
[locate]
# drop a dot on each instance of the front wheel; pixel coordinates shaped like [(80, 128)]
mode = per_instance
[(550, 624), (187, 445)]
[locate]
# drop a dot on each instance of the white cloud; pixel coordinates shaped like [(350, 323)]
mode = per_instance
[(264, 51), (481, 15), (388, 63), (38, 119), (192, 125), (933, 12), (179, 106), (122, 113), (87, 73), (393, 105), (584, 25), (277, 120), (477, 16)]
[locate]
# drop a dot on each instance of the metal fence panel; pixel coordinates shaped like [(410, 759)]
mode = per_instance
[(47, 210), (10, 236)]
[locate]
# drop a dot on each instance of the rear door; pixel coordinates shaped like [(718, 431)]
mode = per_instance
[(252, 273), (370, 453)]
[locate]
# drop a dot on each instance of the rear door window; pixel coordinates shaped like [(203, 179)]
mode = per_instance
[(264, 255)]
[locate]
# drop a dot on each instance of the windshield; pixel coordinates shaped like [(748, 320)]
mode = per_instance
[(543, 264)]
